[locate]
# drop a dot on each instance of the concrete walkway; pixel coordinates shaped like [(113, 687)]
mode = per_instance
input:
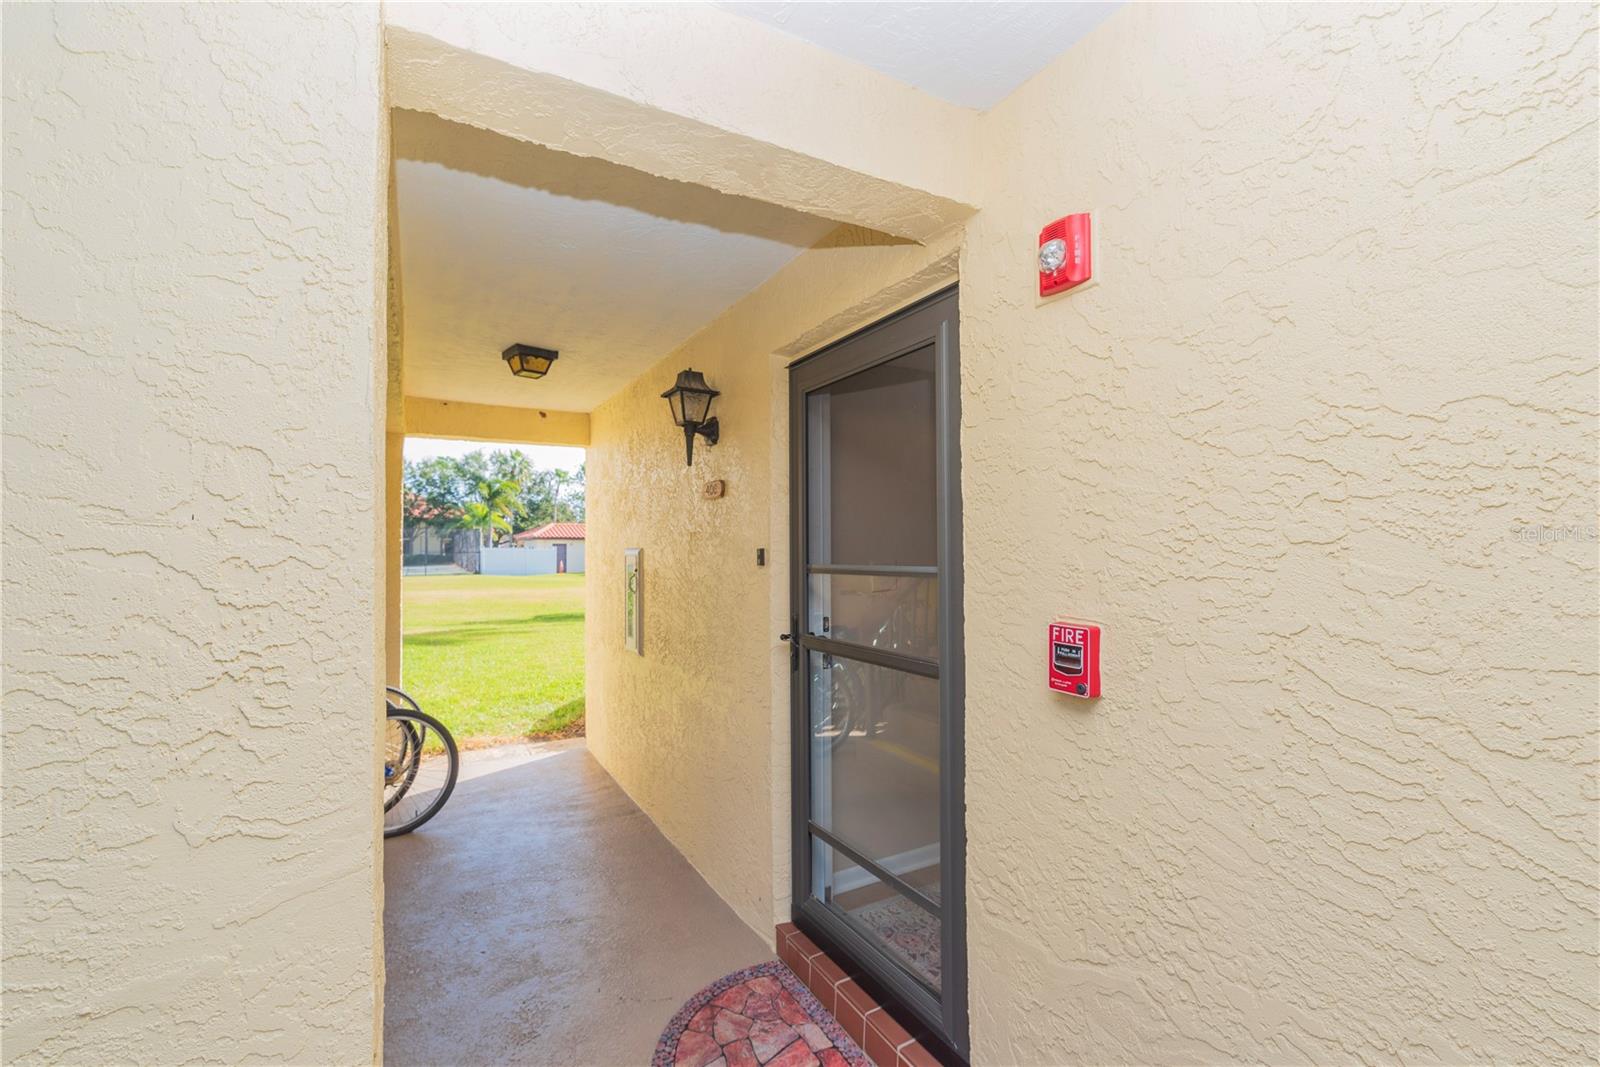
[(541, 918)]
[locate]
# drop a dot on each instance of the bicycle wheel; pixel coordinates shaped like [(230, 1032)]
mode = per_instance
[(401, 769), (401, 762), (844, 703), (399, 698), (416, 782)]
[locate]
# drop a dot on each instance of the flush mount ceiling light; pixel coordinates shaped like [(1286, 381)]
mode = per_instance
[(690, 399), (526, 361)]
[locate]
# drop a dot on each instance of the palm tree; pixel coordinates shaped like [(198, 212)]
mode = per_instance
[(511, 465), (477, 515), (493, 510)]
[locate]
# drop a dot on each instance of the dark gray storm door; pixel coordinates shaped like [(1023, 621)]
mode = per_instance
[(875, 539)]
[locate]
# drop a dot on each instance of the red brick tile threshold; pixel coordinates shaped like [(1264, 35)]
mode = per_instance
[(762, 1016), (885, 1041)]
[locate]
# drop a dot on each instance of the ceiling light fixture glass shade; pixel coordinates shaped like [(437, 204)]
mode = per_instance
[(690, 400), (526, 361)]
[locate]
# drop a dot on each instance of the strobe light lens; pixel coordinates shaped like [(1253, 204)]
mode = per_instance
[(1051, 255)]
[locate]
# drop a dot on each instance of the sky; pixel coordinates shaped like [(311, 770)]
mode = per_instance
[(544, 457)]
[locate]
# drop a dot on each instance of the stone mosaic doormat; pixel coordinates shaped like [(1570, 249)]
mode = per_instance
[(762, 1016)]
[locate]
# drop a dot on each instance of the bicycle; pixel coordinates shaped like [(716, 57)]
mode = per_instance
[(416, 782)]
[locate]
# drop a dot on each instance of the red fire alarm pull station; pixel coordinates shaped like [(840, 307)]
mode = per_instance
[(1075, 658), (1065, 258)]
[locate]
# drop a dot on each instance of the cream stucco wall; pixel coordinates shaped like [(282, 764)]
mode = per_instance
[(192, 415), (695, 728), (426, 417), (1294, 449), (1339, 359), (696, 94), (1338, 804), (394, 429)]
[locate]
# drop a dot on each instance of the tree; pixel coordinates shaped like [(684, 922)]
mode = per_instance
[(511, 465), (561, 479), (438, 490), (563, 509), (578, 505), (473, 468), (437, 482), (421, 511), (481, 517), (492, 509), (536, 498)]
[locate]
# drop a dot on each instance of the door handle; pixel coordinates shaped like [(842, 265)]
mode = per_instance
[(794, 643)]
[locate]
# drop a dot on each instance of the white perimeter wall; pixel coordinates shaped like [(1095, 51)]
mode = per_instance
[(537, 560)]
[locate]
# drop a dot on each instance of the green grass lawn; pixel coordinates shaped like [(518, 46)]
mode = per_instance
[(496, 659)]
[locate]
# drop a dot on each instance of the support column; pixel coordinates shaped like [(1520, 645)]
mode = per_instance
[(394, 551)]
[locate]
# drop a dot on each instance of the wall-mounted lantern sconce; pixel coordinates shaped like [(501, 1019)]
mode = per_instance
[(527, 361), (690, 399)]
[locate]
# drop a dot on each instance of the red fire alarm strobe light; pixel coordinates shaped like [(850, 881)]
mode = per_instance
[(1064, 254), (1075, 658)]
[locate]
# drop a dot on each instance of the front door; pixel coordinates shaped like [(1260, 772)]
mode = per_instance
[(876, 588), (561, 559)]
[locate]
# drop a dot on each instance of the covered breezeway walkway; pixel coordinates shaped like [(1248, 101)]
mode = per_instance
[(542, 918)]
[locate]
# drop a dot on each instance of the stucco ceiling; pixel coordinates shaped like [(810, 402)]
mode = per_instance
[(503, 241), (970, 54)]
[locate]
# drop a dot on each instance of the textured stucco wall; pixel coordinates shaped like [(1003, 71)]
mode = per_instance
[(695, 94), (394, 426), (456, 420), (1338, 803), (696, 729), (193, 398)]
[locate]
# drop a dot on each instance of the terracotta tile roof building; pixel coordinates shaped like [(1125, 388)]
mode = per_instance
[(552, 531)]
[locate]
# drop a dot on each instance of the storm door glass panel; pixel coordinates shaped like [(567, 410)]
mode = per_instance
[(894, 612), (873, 490), (907, 926), (871, 633), (875, 763)]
